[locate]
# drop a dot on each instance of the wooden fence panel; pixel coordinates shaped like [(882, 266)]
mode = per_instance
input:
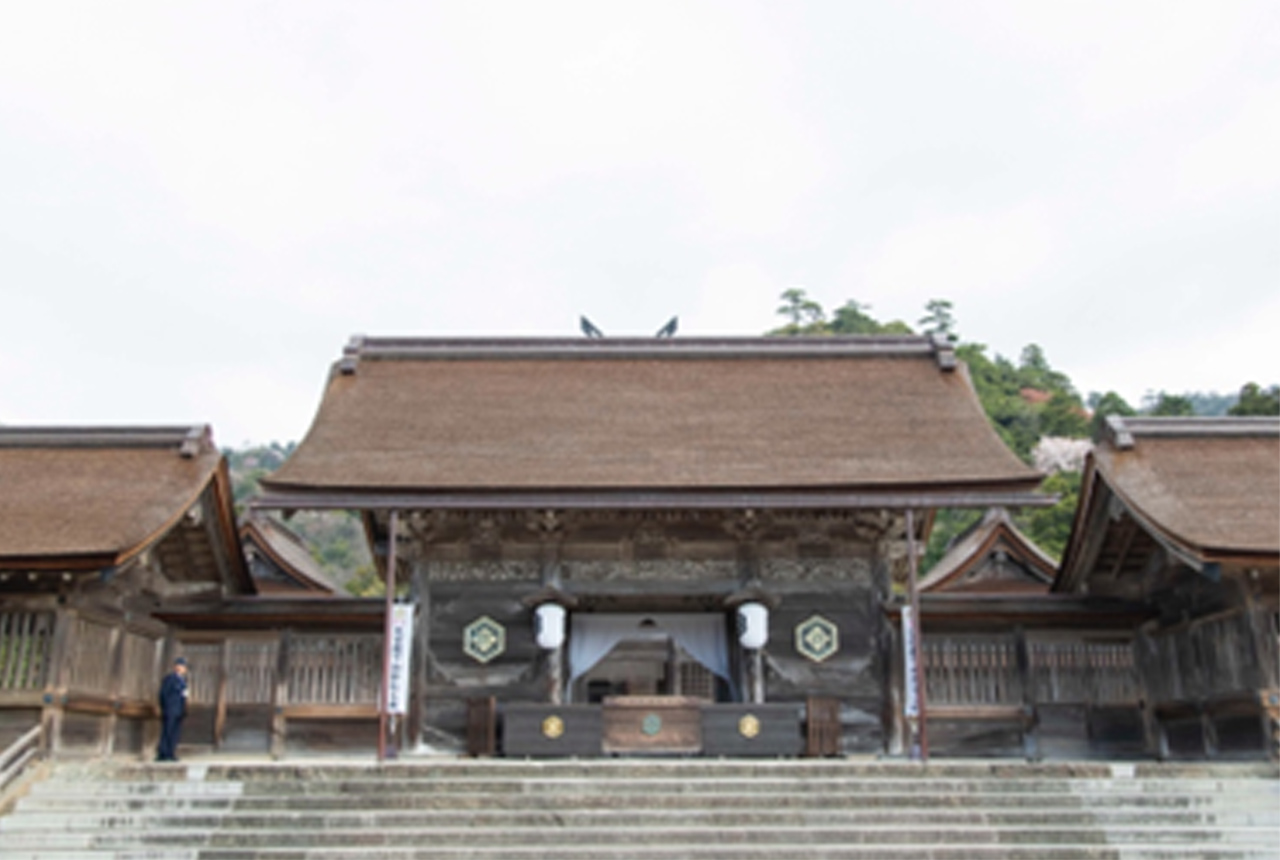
[(203, 661), (334, 670), (971, 670), (25, 641), (89, 663), (252, 671), (139, 667), (1083, 672)]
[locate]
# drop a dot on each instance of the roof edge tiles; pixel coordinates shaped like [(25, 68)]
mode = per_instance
[(1123, 433), (363, 348), (188, 441)]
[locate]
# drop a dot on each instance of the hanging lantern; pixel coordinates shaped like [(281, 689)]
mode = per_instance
[(753, 625), (548, 626)]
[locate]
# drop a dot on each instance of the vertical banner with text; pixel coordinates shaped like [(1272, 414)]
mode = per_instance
[(911, 677), (401, 653)]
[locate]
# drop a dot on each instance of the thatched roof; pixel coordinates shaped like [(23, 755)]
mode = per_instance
[(991, 556), (1205, 489), (289, 565), (87, 498), (662, 419)]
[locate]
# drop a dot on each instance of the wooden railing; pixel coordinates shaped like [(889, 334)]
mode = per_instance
[(971, 671), (26, 640), (334, 670), (1083, 672), (15, 758)]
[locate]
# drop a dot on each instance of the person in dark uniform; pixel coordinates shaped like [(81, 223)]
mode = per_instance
[(173, 707)]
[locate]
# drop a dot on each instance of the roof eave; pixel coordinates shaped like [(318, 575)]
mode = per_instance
[(294, 498)]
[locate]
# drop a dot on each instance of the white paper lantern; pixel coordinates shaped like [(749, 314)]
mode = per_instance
[(548, 622), (753, 625)]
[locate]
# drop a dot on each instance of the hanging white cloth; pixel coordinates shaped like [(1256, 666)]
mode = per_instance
[(593, 635)]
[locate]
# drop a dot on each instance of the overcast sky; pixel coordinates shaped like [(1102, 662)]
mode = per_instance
[(201, 203)]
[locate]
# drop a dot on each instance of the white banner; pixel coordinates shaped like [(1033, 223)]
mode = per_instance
[(912, 704), (401, 655)]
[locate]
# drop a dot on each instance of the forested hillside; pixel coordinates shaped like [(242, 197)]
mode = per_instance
[(1034, 407)]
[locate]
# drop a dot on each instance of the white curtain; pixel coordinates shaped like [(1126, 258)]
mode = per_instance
[(593, 635)]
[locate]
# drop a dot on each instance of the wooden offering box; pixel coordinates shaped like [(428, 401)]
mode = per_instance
[(652, 724)]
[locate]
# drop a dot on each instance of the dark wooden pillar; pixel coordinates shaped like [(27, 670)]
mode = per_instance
[(1030, 713), (55, 693), (115, 683), (280, 695), (220, 701)]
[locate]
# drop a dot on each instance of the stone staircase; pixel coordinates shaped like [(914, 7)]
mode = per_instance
[(651, 809)]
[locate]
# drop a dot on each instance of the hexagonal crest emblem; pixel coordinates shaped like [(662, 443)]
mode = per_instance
[(817, 638), (484, 639)]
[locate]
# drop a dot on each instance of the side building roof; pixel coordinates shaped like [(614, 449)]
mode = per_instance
[(90, 498), (1205, 491), (992, 556), (739, 421), (279, 560)]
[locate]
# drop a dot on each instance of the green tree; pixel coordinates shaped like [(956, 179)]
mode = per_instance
[(1104, 405), (1064, 415), (1049, 528), (803, 314), (939, 320), (1166, 404), (1254, 400)]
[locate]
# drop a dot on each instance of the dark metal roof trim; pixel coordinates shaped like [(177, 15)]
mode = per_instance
[(285, 499), (363, 348), (189, 441), (1123, 432)]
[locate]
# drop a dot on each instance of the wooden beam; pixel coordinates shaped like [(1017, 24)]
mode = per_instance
[(1012, 495)]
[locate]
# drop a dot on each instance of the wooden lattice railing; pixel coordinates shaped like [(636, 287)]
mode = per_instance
[(1083, 672), (25, 642), (971, 671)]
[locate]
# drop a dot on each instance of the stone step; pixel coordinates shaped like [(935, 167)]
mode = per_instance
[(668, 784), (553, 818), (869, 851), (685, 768), (462, 802), (667, 834)]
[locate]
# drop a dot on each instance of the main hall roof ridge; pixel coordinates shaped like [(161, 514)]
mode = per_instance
[(684, 348)]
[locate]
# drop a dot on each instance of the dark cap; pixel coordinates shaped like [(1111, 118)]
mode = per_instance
[(181, 661)]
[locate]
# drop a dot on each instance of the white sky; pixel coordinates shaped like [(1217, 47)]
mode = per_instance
[(200, 203)]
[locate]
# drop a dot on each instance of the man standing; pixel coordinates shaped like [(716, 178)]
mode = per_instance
[(173, 707)]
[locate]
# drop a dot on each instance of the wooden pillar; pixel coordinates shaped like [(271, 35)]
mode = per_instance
[(1030, 714), (280, 695), (55, 691), (416, 733), (913, 593), (220, 702), (384, 699), (115, 647), (555, 676)]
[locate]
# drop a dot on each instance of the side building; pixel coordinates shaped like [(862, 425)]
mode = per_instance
[(1182, 515), (99, 528)]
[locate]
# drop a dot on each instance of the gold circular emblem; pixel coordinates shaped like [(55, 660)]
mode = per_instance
[(552, 727), (749, 726)]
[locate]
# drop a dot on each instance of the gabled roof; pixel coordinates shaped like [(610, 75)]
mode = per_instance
[(89, 498), (291, 565), (1205, 490), (991, 556), (521, 422)]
